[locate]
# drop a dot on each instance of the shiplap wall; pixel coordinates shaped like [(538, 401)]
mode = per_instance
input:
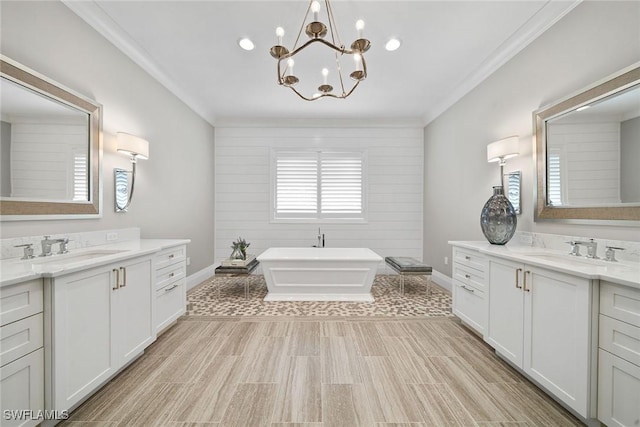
[(42, 157), (394, 180), (590, 157)]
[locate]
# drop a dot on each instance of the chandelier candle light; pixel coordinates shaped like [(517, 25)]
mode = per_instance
[(316, 31)]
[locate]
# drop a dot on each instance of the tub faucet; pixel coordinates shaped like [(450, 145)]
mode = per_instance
[(320, 239), (592, 248)]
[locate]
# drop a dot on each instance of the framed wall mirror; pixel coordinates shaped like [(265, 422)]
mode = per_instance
[(588, 152), (50, 148)]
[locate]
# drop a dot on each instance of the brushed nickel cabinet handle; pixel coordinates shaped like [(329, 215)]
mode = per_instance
[(467, 257), (467, 276), (518, 270), (525, 281), (171, 288), (468, 290), (171, 256), (172, 274), (124, 276), (115, 270)]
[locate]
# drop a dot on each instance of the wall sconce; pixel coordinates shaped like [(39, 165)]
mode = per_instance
[(502, 150), (136, 148)]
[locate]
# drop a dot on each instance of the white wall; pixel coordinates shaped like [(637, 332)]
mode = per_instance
[(174, 188), (593, 41), (394, 178)]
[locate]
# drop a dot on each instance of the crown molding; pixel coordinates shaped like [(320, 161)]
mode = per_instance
[(541, 21), (100, 21)]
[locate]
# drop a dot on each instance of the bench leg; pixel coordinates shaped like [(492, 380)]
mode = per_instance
[(402, 284)]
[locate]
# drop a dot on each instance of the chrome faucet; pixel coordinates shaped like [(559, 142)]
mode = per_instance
[(320, 239), (47, 242), (592, 248)]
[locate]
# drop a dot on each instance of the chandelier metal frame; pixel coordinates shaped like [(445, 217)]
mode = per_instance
[(316, 31)]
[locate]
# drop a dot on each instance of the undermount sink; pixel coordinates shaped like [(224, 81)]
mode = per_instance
[(77, 257)]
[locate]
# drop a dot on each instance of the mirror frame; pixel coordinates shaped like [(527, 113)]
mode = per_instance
[(622, 80), (45, 210)]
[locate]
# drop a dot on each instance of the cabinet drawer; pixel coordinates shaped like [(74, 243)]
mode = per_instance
[(468, 276), (620, 302), (170, 304), (618, 391), (20, 338), (469, 305), (172, 273), (469, 258), (620, 338), (170, 256), (20, 301)]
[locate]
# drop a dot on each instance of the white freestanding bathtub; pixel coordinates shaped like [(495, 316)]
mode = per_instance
[(319, 274)]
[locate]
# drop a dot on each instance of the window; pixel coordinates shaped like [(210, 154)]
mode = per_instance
[(80, 177), (318, 185)]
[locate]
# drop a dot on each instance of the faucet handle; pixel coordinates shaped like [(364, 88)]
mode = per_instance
[(610, 253), (575, 248), (27, 250), (63, 246)]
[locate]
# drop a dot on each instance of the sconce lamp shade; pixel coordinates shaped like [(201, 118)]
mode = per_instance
[(133, 145), (503, 149)]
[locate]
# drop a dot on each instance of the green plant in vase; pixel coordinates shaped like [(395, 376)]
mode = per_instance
[(239, 249)]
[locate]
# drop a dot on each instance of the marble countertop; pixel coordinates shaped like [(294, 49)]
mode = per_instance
[(15, 270), (624, 273)]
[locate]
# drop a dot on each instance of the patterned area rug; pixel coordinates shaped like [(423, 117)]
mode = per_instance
[(204, 300)]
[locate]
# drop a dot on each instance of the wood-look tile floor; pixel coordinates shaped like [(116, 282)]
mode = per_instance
[(312, 372)]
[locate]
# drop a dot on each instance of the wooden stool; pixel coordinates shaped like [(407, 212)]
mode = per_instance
[(236, 271), (406, 266)]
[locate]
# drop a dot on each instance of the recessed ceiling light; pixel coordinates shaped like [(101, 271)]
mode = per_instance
[(392, 45), (246, 44)]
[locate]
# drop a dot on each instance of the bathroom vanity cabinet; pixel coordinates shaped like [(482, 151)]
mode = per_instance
[(469, 296), (619, 355), (101, 319), (21, 351), (541, 321), (170, 293)]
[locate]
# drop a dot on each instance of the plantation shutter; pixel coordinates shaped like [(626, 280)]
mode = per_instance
[(318, 185), (341, 185), (554, 182), (296, 185), (80, 177)]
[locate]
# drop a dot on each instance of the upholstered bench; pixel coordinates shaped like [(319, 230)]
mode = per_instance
[(236, 271), (406, 266)]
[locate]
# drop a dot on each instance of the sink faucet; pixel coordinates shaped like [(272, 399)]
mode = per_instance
[(592, 248), (47, 242)]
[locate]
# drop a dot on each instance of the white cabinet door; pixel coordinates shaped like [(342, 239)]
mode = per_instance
[(132, 315), (82, 353), (505, 325), (557, 343), (618, 391), (101, 320), (21, 388)]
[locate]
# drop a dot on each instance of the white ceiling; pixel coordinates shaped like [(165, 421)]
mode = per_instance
[(448, 47)]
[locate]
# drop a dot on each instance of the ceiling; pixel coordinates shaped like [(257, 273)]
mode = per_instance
[(448, 47)]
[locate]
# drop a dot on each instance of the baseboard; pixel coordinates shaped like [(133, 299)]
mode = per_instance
[(442, 280), (200, 276)]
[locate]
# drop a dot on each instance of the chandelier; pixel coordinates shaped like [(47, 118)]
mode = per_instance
[(316, 31)]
